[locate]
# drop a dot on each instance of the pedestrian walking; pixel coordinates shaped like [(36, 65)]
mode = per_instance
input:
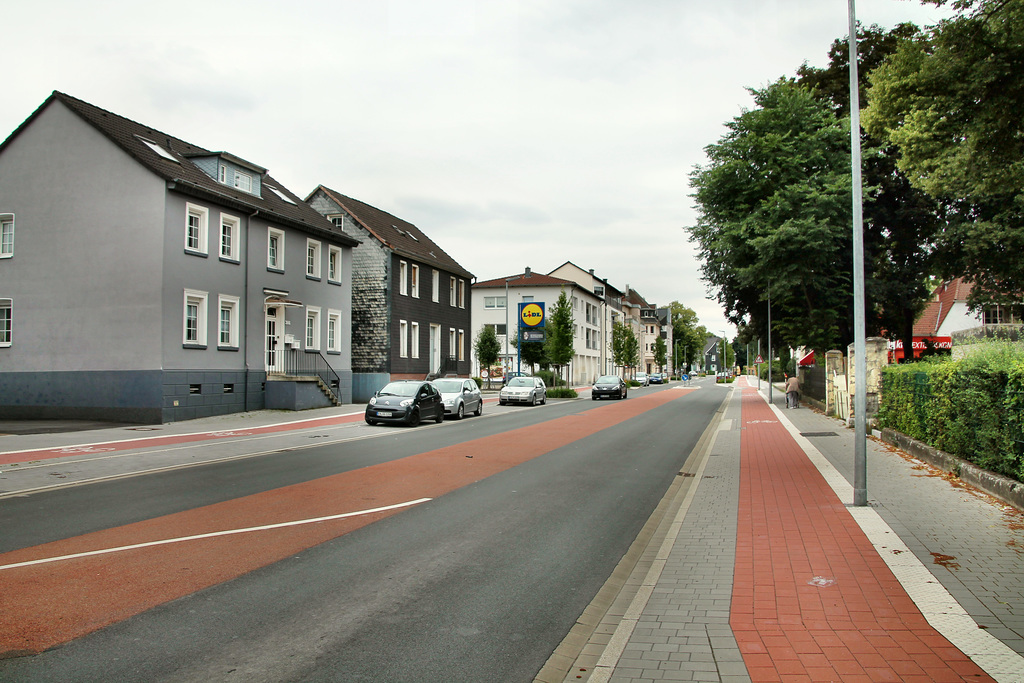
[(792, 392)]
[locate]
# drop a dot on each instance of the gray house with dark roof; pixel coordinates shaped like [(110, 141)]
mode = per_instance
[(410, 299), (151, 280)]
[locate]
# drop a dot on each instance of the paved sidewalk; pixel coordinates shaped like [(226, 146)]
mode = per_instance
[(763, 571)]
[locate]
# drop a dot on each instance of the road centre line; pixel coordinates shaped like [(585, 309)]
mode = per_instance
[(214, 534)]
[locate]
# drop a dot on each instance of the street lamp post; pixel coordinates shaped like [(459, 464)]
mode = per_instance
[(860, 399)]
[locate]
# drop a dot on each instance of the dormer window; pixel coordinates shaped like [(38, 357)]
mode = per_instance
[(243, 181)]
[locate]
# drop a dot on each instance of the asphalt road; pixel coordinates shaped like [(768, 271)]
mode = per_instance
[(529, 511)]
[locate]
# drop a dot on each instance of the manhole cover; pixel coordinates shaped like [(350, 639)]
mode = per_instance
[(818, 434)]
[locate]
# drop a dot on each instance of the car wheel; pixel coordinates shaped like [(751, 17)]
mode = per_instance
[(414, 418), (533, 399), (370, 422), (593, 398), (624, 393), (501, 402), (460, 412), (544, 400), (479, 408), (439, 418)]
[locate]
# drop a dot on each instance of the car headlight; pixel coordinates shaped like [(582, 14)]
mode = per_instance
[(373, 400), (406, 403)]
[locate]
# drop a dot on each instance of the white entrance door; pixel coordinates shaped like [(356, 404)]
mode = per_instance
[(274, 333), (435, 347)]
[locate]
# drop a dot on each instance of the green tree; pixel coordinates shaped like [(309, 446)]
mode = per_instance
[(487, 349), (950, 100), (559, 343), (687, 333), (774, 218), (660, 352), (625, 347), (900, 221)]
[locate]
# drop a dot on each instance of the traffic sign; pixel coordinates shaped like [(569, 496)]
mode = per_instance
[(759, 359)]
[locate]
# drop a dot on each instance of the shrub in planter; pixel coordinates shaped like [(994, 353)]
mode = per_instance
[(562, 392)]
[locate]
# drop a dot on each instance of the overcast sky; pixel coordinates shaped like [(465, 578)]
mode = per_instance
[(514, 132)]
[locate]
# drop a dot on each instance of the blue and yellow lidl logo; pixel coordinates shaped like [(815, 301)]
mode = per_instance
[(532, 314)]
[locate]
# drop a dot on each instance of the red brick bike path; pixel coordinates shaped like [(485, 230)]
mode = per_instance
[(812, 600)]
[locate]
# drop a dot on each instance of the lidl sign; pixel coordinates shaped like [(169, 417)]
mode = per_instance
[(531, 314)]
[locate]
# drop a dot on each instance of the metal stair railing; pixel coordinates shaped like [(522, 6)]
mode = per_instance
[(313, 364)]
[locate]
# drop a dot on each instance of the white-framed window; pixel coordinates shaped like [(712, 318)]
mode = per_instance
[(403, 278), (334, 331), (452, 293), (275, 249), (313, 258), (194, 323), (415, 281), (6, 322), (227, 320), (6, 235), (499, 328), (158, 149), (452, 340), (462, 345), (403, 339), (313, 327), (196, 225), (435, 291), (414, 341), (494, 302), (243, 181), (462, 293), (334, 264), (230, 231), (222, 174)]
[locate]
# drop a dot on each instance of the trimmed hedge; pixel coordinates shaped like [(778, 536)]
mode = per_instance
[(562, 392), (972, 407)]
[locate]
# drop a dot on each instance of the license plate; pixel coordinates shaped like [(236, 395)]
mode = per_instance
[(381, 413)]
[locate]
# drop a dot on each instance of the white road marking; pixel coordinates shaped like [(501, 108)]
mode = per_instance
[(214, 534)]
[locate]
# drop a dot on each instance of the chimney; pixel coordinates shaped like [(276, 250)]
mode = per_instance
[(591, 272), (528, 274)]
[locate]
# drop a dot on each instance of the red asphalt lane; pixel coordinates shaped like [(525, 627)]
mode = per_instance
[(44, 605), (812, 600)]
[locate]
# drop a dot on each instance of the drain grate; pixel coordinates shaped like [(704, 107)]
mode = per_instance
[(818, 434)]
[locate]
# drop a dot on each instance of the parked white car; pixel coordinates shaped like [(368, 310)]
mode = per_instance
[(460, 396), (531, 390)]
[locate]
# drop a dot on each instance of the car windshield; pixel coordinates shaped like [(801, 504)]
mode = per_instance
[(521, 382), (607, 379), (449, 386), (641, 374), (399, 389)]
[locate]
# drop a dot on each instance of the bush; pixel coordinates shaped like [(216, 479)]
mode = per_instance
[(562, 392), (971, 407)]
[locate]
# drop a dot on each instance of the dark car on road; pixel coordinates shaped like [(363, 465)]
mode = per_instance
[(611, 386), (657, 378), (406, 402)]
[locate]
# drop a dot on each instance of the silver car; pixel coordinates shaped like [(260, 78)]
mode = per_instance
[(460, 396), (531, 390)]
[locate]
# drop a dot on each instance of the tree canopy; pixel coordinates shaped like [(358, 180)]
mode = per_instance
[(950, 99), (774, 214)]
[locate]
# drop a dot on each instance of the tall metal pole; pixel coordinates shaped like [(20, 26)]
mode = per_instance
[(769, 343), (860, 398), (758, 365)]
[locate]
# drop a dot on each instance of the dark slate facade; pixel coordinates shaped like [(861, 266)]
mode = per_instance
[(410, 299)]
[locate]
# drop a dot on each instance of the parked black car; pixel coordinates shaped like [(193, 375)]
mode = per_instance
[(611, 386), (407, 402)]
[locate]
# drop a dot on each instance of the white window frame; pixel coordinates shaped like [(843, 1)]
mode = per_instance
[(452, 341), (403, 278), (227, 303), (234, 232), (451, 292), (403, 339), (6, 235), (202, 215), (436, 291), (6, 322), (313, 258), (222, 174), (334, 264), (415, 275), (312, 332), (496, 302), (199, 300), (243, 181), (414, 339), (462, 293), (278, 263), (462, 345), (334, 336)]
